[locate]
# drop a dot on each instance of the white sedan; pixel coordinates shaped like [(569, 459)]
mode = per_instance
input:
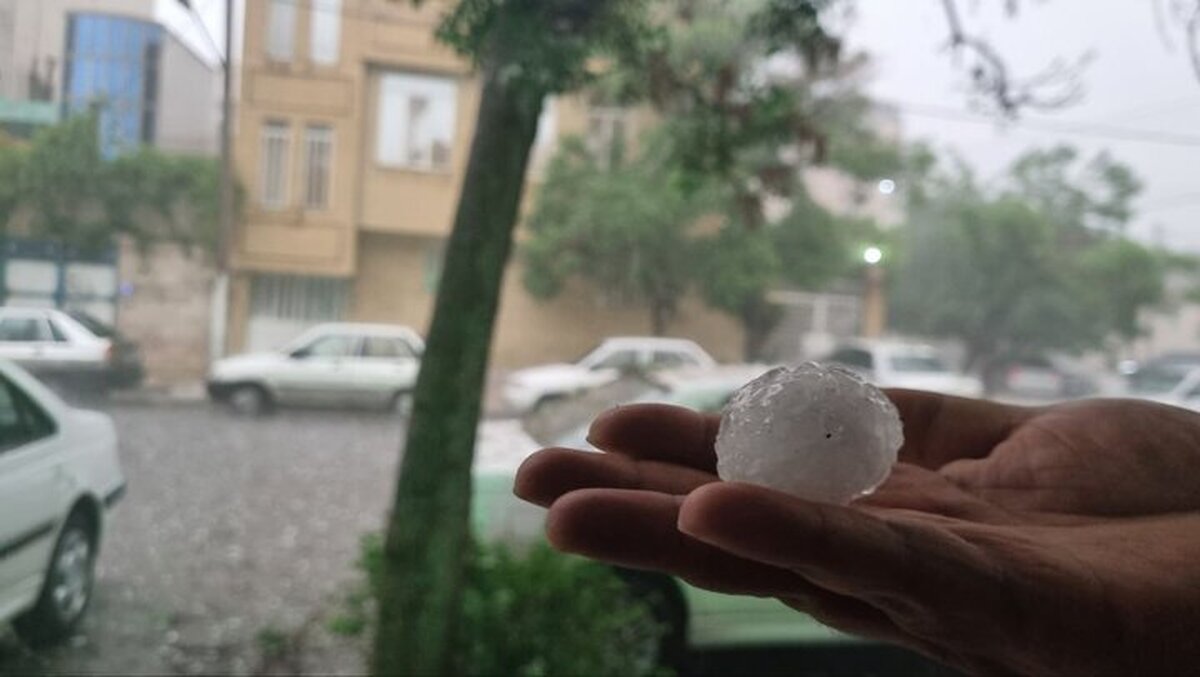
[(329, 365), (892, 364), (59, 473), (526, 389)]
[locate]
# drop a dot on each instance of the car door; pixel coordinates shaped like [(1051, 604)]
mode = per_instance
[(320, 372), (32, 491), (388, 366)]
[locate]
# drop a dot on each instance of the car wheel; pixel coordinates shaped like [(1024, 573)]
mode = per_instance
[(249, 400), (662, 595), (67, 589)]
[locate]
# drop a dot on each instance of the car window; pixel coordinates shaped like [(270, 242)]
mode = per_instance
[(666, 359), (97, 327), (386, 348), (852, 357), (21, 420), (917, 363), (57, 333), (337, 345), (24, 330), (621, 359)]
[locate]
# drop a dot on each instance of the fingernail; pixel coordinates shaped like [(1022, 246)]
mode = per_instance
[(600, 420)]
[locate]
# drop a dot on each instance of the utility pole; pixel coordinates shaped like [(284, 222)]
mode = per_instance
[(226, 209), (220, 305)]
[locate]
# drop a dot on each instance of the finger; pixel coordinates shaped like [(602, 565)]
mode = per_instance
[(939, 429), (841, 549), (550, 473), (660, 432), (638, 530)]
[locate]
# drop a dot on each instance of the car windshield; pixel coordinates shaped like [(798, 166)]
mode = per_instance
[(366, 274), (917, 363), (97, 327)]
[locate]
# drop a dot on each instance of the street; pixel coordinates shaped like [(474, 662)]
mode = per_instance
[(234, 543)]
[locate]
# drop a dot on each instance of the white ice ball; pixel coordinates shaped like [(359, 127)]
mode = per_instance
[(819, 432)]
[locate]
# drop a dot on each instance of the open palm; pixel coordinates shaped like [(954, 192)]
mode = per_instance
[(1008, 539)]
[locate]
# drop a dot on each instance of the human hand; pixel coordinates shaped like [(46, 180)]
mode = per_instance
[(1009, 539)]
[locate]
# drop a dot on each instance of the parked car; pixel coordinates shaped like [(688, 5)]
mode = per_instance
[(1170, 387), (527, 389), (1158, 375), (329, 365), (70, 351), (693, 618), (1052, 376), (891, 364), (59, 475)]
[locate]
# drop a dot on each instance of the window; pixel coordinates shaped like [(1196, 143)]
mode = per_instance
[(114, 61), (416, 120), (606, 134), (667, 359), (21, 421), (387, 348), (621, 359), (918, 363), (318, 154), (852, 357), (274, 165), (326, 33), (329, 347), (24, 330), (281, 29)]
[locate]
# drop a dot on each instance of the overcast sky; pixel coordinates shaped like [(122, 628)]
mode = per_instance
[(1135, 83)]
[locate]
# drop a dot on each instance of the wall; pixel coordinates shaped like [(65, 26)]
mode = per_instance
[(167, 311), (189, 102)]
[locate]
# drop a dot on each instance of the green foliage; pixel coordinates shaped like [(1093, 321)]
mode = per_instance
[(62, 188), (537, 613), (548, 44), (1024, 268), (625, 230)]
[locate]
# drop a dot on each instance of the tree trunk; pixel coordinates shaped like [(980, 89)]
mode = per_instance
[(428, 537), (759, 317), (660, 317)]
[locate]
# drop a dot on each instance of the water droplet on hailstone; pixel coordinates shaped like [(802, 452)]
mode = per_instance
[(819, 432)]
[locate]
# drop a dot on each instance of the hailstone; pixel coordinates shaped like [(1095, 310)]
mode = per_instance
[(819, 432)]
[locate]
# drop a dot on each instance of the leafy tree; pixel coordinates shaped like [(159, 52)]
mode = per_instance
[(61, 187), (1022, 269), (626, 230), (525, 50)]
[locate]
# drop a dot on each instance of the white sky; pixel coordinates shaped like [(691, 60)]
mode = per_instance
[(1135, 81)]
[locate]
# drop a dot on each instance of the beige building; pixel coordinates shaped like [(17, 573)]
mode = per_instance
[(353, 131)]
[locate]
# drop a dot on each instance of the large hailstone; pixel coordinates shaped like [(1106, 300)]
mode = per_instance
[(818, 432)]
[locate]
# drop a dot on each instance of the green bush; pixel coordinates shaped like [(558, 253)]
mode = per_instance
[(532, 613)]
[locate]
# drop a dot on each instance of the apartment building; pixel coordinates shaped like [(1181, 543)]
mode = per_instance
[(353, 132)]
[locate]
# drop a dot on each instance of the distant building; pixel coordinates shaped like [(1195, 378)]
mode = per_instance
[(354, 127), (151, 86)]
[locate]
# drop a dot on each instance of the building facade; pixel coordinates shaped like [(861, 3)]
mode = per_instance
[(151, 86), (353, 132)]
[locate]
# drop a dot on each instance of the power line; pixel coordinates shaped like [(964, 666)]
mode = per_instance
[(1083, 129)]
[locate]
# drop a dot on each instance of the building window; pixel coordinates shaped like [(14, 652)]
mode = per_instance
[(607, 129), (326, 29), (274, 164), (415, 125), (112, 63), (318, 155), (281, 29)]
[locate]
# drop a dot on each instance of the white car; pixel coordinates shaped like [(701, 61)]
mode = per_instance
[(529, 388), (1180, 389), (329, 365), (904, 365), (67, 349), (59, 475)]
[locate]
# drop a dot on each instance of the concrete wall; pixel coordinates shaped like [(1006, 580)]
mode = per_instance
[(189, 102), (167, 311)]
